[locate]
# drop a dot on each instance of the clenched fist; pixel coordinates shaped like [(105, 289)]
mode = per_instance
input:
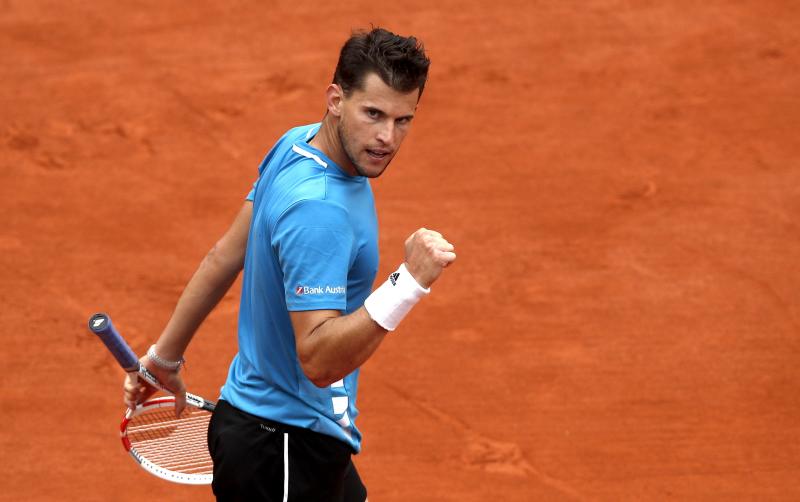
[(427, 254)]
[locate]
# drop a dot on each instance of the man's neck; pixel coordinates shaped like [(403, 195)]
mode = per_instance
[(327, 141)]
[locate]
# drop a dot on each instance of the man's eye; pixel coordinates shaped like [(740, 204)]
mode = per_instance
[(373, 114)]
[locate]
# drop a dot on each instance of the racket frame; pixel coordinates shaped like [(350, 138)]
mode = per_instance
[(143, 461), (100, 324)]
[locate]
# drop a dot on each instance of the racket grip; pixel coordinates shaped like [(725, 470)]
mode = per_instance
[(100, 324)]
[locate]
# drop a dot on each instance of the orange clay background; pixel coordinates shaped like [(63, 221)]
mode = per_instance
[(620, 178)]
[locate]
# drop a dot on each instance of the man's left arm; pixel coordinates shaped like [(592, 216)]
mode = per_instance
[(331, 346)]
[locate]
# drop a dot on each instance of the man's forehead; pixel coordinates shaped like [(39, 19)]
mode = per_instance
[(374, 90)]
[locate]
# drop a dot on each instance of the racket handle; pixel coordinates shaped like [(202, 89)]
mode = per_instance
[(100, 325)]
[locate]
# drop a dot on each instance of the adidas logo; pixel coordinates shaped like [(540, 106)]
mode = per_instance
[(393, 278)]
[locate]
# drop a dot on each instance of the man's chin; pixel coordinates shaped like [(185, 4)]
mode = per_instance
[(371, 171)]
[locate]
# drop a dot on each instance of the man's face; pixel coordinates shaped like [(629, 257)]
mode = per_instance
[(373, 123)]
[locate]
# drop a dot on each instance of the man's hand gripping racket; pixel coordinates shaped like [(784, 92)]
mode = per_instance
[(169, 446)]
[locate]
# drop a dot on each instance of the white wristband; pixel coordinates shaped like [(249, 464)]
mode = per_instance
[(390, 303)]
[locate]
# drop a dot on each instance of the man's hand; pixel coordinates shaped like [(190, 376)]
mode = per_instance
[(137, 390), (427, 254)]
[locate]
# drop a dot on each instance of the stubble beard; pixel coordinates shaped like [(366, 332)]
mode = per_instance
[(341, 131)]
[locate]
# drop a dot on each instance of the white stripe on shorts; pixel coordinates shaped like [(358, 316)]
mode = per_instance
[(285, 466)]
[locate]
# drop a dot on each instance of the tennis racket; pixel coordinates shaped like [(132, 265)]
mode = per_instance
[(171, 448)]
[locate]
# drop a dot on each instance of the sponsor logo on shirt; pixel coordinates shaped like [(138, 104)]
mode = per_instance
[(320, 290)]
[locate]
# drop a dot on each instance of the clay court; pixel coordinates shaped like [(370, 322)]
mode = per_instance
[(620, 178)]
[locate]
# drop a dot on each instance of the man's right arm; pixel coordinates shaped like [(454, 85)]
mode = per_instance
[(210, 282)]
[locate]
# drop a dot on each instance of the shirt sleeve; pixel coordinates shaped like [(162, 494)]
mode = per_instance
[(251, 196), (313, 241)]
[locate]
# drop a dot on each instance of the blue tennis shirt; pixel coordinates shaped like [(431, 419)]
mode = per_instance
[(313, 244)]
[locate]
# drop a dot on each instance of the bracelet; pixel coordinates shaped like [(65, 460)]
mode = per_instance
[(395, 298), (163, 363)]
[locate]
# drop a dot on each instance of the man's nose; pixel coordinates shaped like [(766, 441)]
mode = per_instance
[(386, 132)]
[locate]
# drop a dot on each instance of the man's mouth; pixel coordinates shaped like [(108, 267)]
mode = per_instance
[(378, 154)]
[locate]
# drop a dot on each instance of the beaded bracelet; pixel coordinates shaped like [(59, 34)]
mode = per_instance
[(163, 363)]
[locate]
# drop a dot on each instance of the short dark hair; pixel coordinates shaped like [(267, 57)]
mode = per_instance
[(399, 61)]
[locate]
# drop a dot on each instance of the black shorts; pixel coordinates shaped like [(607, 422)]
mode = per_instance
[(260, 460)]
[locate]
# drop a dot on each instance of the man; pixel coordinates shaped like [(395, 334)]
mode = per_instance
[(307, 239)]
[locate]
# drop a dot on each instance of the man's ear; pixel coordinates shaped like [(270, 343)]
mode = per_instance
[(334, 97)]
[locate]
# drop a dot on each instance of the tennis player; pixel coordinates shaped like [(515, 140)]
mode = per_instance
[(284, 428)]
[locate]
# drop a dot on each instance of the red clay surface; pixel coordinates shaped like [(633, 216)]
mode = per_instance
[(621, 180)]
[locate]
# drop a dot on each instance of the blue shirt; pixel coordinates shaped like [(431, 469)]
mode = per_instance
[(313, 245)]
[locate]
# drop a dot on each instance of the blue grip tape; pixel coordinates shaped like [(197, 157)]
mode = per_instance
[(100, 325)]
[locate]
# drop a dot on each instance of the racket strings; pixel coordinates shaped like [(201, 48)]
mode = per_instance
[(176, 444)]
